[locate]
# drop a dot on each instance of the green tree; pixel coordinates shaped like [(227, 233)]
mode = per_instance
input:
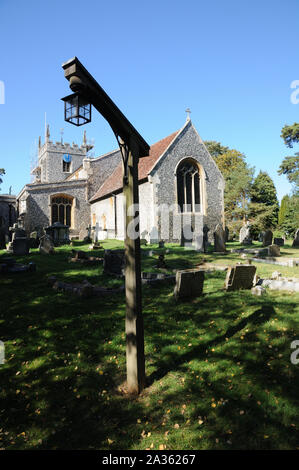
[(290, 134), (285, 202), (290, 164), (290, 168), (215, 148), (289, 214), (2, 172), (264, 203), (238, 177)]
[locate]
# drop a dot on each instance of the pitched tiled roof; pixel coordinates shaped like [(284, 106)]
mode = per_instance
[(114, 182)]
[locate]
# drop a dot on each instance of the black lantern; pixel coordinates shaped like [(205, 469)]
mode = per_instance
[(77, 110)]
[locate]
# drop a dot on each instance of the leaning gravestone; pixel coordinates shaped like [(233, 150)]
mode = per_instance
[(219, 239), (267, 238), (279, 241), (189, 283), (46, 245), (244, 235), (240, 276), (273, 250), (114, 262), (296, 238)]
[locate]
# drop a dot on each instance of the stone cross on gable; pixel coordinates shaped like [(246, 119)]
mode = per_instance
[(188, 111)]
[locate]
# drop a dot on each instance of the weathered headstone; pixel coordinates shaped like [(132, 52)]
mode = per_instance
[(2, 239), (296, 238), (273, 250), (267, 238), (261, 236), (189, 284), (219, 239), (46, 245), (279, 241), (244, 235), (205, 240), (114, 262), (226, 233), (19, 244), (161, 261), (240, 277), (161, 244)]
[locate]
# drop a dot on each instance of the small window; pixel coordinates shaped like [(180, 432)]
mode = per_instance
[(66, 167)]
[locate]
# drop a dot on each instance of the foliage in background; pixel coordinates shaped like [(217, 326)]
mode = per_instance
[(290, 164), (238, 176), (288, 216), (2, 172), (264, 204)]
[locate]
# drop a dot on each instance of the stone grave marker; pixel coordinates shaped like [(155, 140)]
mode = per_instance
[(205, 238), (46, 245), (189, 283), (267, 238), (219, 239), (279, 241), (240, 276), (296, 238), (114, 262), (244, 235), (273, 250)]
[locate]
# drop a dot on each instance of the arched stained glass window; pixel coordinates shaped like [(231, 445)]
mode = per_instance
[(188, 186), (61, 209)]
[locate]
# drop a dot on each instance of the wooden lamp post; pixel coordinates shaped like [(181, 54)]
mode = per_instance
[(88, 92)]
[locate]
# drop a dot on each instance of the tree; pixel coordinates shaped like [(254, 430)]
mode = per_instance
[(238, 177), (264, 203), (215, 148), (2, 172), (290, 168), (290, 134), (289, 214), (290, 164)]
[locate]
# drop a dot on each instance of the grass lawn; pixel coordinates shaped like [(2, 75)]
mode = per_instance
[(219, 374)]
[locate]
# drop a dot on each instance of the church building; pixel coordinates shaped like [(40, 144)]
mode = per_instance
[(77, 190)]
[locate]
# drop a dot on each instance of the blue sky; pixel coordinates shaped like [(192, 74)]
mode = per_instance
[(232, 62)]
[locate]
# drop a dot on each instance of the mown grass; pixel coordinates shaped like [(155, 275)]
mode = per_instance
[(219, 374)]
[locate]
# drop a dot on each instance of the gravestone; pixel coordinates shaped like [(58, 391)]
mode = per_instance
[(161, 244), (59, 233), (273, 250), (261, 236), (226, 234), (19, 244), (114, 262), (296, 238), (279, 241), (2, 239), (161, 262), (46, 245), (240, 276), (219, 239), (205, 240), (267, 238), (189, 283), (34, 240), (244, 235)]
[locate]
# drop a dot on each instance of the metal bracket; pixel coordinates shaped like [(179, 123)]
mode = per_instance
[(124, 149)]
